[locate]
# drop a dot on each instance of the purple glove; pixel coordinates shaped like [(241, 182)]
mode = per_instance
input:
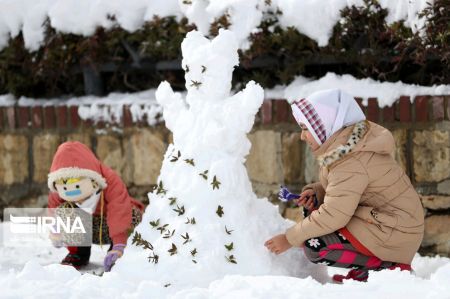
[(284, 195), (57, 241), (112, 256)]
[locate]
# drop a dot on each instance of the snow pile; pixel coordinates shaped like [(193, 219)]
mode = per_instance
[(204, 221), (142, 105), (32, 271), (311, 17), (386, 92)]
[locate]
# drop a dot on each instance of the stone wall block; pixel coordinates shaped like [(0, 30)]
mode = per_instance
[(292, 157), (264, 161), (143, 152), (431, 156), (13, 159), (44, 148), (109, 151)]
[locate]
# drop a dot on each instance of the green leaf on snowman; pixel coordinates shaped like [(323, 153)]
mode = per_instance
[(228, 231), (190, 161), (160, 189), (173, 250), (220, 211), (186, 238), (172, 201), (153, 258), (154, 224), (196, 84), (229, 247), (231, 259), (175, 158), (204, 174), (194, 252), (215, 183), (179, 210)]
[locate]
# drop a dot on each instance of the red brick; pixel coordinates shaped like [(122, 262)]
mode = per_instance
[(389, 114), (127, 118), (11, 117), (282, 111), (2, 117), (373, 110), (438, 108), (404, 105), (447, 105), (36, 117), (23, 116), (359, 101), (266, 112), (74, 117), (62, 119), (421, 108), (49, 117)]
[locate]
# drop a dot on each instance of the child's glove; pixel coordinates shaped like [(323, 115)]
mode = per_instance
[(113, 255), (56, 239), (284, 195)]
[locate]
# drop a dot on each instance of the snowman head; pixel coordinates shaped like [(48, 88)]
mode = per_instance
[(209, 65)]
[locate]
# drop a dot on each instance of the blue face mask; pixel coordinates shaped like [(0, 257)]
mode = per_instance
[(75, 192)]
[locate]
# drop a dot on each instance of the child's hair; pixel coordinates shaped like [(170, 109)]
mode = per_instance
[(68, 180), (72, 181)]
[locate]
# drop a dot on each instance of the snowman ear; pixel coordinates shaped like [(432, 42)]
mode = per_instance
[(193, 41), (226, 42)]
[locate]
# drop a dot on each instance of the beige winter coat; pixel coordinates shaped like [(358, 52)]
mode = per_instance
[(363, 189)]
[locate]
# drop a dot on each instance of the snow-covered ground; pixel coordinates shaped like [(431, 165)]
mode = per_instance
[(33, 271)]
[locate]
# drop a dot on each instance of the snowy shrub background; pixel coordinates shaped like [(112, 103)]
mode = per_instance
[(83, 16)]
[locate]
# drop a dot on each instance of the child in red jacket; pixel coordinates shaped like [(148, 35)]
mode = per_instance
[(78, 179)]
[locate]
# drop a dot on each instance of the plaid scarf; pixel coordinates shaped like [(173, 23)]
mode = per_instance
[(313, 118)]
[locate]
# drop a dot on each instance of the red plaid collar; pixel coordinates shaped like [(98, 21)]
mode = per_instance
[(313, 118)]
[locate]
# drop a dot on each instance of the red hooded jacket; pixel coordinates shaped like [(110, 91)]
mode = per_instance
[(74, 159)]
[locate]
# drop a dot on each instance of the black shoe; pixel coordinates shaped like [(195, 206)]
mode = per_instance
[(75, 260)]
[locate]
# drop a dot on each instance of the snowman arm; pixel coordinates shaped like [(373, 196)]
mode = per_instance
[(168, 99)]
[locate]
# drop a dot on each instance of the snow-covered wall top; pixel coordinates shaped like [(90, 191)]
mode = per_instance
[(312, 18), (143, 105)]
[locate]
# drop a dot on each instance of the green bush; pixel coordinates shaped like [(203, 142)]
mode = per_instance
[(362, 44)]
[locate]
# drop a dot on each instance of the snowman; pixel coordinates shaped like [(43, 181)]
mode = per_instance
[(204, 221)]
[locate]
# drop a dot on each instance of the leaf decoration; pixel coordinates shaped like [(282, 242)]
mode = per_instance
[(179, 210), (190, 161), (175, 158), (173, 250), (231, 259), (228, 231), (138, 241), (172, 201), (196, 84), (153, 258), (154, 224), (186, 238), (163, 228), (229, 247), (220, 211), (194, 252), (215, 183), (160, 189), (204, 174)]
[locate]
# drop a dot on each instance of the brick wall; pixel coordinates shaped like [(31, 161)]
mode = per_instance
[(29, 137)]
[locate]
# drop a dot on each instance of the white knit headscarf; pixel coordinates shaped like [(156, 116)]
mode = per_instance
[(326, 112)]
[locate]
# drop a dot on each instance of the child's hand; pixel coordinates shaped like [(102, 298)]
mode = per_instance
[(278, 244), (284, 195), (56, 239), (308, 199), (113, 255)]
